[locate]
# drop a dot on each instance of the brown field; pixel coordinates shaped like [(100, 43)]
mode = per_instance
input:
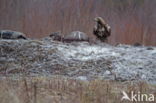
[(63, 90), (131, 20)]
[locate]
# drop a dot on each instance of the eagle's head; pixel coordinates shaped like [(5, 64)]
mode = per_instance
[(100, 20)]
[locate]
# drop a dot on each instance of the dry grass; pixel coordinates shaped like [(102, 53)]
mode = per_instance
[(131, 20), (63, 90)]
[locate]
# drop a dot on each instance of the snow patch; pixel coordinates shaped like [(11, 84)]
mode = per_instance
[(87, 52), (83, 78)]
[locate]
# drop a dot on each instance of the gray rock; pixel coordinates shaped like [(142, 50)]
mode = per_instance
[(56, 36), (137, 44), (9, 34), (76, 36)]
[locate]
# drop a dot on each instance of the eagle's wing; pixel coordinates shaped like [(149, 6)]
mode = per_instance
[(95, 30)]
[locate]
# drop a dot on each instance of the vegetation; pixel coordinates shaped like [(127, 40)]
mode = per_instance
[(65, 90), (131, 20)]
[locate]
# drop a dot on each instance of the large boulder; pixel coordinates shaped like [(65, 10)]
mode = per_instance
[(9, 34), (76, 36)]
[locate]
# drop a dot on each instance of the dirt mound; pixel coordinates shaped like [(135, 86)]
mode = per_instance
[(79, 60)]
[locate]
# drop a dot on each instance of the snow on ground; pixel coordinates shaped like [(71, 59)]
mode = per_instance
[(87, 52), (83, 61)]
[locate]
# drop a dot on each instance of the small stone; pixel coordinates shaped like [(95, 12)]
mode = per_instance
[(143, 76), (150, 48), (107, 72), (84, 78)]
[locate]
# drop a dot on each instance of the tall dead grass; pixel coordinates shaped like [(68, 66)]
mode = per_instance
[(131, 20), (63, 90)]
